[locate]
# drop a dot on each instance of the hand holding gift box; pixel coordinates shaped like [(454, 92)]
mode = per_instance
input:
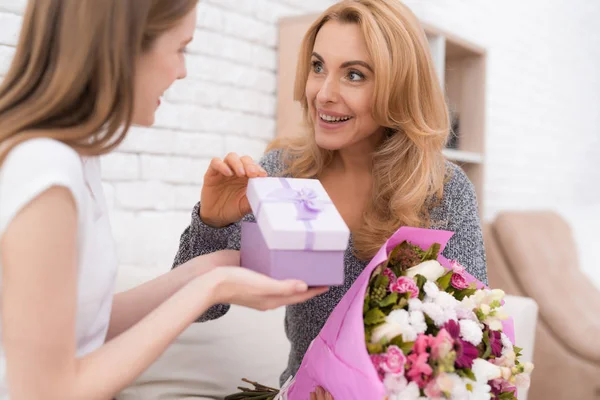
[(298, 233)]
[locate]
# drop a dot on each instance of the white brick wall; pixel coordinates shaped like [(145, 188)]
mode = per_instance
[(543, 99)]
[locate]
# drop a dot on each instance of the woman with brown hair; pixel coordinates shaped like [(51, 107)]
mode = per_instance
[(376, 124), (83, 72)]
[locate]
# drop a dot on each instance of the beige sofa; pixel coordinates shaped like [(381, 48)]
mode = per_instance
[(534, 254), (208, 360)]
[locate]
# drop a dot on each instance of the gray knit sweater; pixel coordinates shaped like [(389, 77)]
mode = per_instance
[(457, 212)]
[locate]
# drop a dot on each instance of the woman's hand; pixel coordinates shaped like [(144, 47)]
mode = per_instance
[(223, 198), (320, 394), (241, 286)]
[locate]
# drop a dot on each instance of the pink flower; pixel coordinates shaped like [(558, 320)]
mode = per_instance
[(456, 267), (390, 275), (465, 353), (378, 360), (394, 360), (432, 390), (419, 371), (453, 328), (500, 386), (459, 281), (441, 345), (495, 342), (405, 284), (422, 344)]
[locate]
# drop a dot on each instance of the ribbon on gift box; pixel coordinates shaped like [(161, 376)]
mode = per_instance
[(308, 206)]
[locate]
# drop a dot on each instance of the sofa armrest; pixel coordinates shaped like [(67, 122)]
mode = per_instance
[(539, 250)]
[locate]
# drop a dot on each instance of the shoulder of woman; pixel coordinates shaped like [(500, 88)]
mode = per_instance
[(456, 181)]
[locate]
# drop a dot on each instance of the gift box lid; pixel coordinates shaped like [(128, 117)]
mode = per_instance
[(296, 214)]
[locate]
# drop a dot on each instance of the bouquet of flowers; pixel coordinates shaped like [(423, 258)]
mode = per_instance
[(414, 325), (431, 332)]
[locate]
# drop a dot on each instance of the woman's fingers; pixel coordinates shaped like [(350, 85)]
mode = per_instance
[(235, 163), (218, 166), (253, 170)]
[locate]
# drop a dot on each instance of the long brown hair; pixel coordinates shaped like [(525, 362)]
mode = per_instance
[(408, 167), (72, 75)]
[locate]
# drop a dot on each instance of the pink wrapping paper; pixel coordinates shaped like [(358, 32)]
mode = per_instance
[(337, 359)]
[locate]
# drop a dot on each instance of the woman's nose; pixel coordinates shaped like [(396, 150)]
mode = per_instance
[(329, 92)]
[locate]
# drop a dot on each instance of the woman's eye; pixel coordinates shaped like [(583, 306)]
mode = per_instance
[(317, 67), (355, 76)]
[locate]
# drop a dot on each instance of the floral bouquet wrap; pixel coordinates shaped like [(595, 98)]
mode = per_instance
[(414, 325)]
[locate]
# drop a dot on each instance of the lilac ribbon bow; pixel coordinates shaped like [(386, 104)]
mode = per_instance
[(307, 204)]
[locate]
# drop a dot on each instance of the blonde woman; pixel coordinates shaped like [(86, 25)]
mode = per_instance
[(376, 124), (84, 70)]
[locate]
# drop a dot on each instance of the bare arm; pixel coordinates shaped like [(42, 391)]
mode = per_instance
[(131, 306), (39, 290), (39, 305)]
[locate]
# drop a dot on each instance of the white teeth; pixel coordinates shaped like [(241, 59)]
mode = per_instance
[(329, 118)]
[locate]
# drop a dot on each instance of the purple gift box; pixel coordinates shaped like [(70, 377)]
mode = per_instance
[(298, 233)]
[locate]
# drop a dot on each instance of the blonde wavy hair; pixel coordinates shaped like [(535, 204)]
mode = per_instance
[(408, 166), (71, 78)]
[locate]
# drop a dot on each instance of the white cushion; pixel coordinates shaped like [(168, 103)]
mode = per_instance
[(209, 359), (586, 235)]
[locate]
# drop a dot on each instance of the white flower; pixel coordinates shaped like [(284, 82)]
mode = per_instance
[(485, 309), (496, 295), (436, 313), (431, 270), (485, 371), (506, 343), (464, 313), (523, 381), (410, 393), (479, 391), (528, 367), (394, 383), (415, 304), (417, 321), (447, 301), (493, 323), (470, 331), (396, 323), (398, 317), (431, 290)]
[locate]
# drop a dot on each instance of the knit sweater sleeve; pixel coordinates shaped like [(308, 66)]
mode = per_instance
[(466, 245), (199, 238)]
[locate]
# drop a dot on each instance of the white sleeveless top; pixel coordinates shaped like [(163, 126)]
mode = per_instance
[(31, 168)]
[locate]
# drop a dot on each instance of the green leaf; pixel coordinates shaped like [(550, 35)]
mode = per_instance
[(495, 304), (406, 347), (517, 351), (382, 281), (431, 327), (432, 252), (402, 303), (488, 346), (444, 281), (374, 316), (420, 280), (507, 396), (388, 300), (375, 348), (461, 294), (466, 373)]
